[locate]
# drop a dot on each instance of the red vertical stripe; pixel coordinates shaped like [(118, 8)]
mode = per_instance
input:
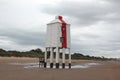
[(64, 33)]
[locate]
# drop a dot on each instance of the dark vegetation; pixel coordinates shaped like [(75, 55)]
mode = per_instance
[(39, 53), (31, 53)]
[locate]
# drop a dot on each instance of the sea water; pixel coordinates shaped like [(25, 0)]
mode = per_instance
[(36, 65)]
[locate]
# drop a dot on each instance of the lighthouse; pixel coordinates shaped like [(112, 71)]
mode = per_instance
[(57, 41)]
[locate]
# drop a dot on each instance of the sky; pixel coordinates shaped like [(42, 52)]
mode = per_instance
[(95, 24)]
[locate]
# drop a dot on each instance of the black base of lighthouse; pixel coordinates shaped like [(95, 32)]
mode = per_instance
[(45, 64), (69, 65), (51, 65), (63, 65), (57, 65)]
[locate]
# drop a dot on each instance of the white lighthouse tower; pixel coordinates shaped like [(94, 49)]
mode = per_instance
[(57, 39)]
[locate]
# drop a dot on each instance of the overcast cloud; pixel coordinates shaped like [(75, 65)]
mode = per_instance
[(95, 24)]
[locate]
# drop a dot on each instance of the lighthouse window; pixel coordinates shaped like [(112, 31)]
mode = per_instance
[(61, 39)]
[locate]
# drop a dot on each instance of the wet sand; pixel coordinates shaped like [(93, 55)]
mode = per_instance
[(108, 70)]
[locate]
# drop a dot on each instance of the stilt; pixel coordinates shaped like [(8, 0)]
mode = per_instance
[(51, 58), (45, 58), (63, 65), (45, 64), (69, 59), (69, 65), (57, 65), (57, 57), (39, 62), (63, 58)]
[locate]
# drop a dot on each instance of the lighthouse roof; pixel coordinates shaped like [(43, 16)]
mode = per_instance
[(56, 20)]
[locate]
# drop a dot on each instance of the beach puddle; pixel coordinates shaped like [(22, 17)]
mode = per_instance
[(85, 65), (36, 65)]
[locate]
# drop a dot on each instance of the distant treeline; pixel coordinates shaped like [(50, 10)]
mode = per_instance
[(39, 53), (32, 53)]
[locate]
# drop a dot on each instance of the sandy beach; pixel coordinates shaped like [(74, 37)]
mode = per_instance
[(107, 70)]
